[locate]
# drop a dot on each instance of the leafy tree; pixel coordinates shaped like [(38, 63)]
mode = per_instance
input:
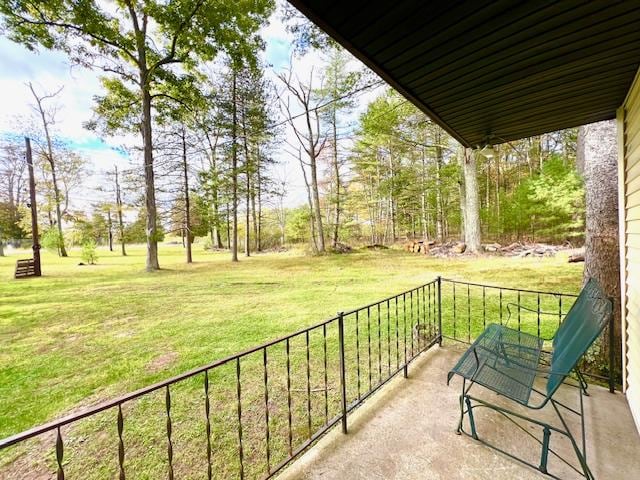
[(89, 254), (139, 43)]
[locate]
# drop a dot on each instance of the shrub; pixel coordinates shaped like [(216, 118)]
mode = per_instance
[(89, 254)]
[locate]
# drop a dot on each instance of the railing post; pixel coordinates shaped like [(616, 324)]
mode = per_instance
[(343, 381), (612, 383), (439, 310)]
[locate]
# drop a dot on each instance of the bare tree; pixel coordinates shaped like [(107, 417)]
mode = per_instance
[(47, 119), (311, 139)]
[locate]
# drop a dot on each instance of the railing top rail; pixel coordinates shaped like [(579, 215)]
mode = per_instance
[(378, 302), (60, 422), (462, 282)]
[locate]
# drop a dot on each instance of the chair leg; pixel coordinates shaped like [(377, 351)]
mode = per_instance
[(583, 383), (545, 450), (459, 429), (471, 419)]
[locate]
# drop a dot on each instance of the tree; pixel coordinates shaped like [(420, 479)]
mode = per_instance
[(12, 180), (118, 195), (472, 202), (339, 81), (598, 158), (47, 119), (139, 42), (311, 139)]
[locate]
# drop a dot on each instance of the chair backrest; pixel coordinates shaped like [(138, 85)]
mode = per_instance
[(581, 326)]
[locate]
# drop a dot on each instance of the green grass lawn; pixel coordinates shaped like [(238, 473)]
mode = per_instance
[(81, 334)]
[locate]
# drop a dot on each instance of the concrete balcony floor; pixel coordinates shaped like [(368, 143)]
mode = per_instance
[(407, 431)]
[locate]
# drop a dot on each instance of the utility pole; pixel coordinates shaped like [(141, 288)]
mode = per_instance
[(37, 271), (119, 208)]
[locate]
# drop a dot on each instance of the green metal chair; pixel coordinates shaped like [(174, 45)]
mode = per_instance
[(508, 362)]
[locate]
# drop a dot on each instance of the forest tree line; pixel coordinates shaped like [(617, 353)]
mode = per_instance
[(210, 123)]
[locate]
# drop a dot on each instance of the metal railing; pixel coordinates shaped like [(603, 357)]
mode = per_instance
[(250, 414), (247, 415)]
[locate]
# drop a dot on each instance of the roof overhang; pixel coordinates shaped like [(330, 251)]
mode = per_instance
[(494, 71)]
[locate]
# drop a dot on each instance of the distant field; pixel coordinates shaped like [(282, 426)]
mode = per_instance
[(81, 334)]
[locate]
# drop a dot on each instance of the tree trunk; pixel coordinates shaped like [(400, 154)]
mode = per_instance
[(247, 174), (472, 207), (234, 170), (187, 206), (336, 171), (110, 230), (257, 219), (598, 157), (119, 207), (149, 180), (317, 214), (439, 210)]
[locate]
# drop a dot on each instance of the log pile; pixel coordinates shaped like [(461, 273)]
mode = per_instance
[(523, 250), (419, 246), (516, 249)]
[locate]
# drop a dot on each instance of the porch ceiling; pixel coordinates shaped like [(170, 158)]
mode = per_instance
[(494, 71)]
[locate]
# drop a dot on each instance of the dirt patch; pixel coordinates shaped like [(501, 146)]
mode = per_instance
[(161, 362)]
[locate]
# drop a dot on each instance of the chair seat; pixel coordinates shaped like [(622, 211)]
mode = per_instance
[(503, 360)]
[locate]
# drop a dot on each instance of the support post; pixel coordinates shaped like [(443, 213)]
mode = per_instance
[(34, 211), (439, 310), (343, 382), (612, 381)]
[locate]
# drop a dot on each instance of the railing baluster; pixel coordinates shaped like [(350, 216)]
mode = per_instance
[(343, 373), (468, 313), (429, 312), (309, 421), (519, 321), (369, 345), (167, 402), (454, 310), (389, 337), (265, 364), (411, 320), (290, 419), (422, 315), (326, 380), (538, 315), (500, 306), (397, 337), (379, 348), (207, 412), (559, 310), (239, 398), (439, 311), (358, 353), (120, 423), (59, 455), (404, 328), (484, 307)]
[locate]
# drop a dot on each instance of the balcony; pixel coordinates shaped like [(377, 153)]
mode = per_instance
[(407, 431), (276, 409)]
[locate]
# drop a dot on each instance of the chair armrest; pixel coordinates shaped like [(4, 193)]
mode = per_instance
[(534, 310)]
